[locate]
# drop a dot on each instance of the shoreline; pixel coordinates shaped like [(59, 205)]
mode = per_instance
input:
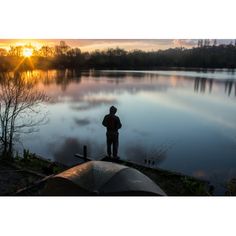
[(159, 68), (32, 174)]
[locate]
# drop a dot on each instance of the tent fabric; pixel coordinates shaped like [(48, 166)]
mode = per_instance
[(131, 180), (101, 178)]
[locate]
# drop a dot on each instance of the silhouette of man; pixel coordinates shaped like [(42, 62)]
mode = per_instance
[(112, 123)]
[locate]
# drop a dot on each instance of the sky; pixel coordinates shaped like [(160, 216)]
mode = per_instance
[(101, 44)]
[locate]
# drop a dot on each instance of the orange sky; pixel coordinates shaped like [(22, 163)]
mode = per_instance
[(94, 44)]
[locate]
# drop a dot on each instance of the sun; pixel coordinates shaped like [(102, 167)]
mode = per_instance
[(27, 52)]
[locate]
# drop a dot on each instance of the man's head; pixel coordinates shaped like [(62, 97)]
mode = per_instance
[(113, 110)]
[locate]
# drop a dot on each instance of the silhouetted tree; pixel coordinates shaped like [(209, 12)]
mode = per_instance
[(3, 52), (46, 51), (200, 43), (62, 48), (206, 43), (62, 57), (16, 51), (19, 103)]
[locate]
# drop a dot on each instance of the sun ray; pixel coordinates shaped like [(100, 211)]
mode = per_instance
[(20, 63), (31, 63)]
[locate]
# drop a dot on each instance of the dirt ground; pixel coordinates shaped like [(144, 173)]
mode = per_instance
[(13, 179)]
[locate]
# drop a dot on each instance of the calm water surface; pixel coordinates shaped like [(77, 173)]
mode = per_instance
[(183, 121)]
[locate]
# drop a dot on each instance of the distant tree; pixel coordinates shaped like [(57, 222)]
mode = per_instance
[(74, 52), (46, 51), (200, 43), (16, 51), (3, 52), (62, 48), (206, 43), (207, 54)]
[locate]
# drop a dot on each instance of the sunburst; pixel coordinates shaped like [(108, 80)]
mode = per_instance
[(27, 52)]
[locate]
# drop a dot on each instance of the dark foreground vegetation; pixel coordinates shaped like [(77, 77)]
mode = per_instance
[(27, 175), (205, 55), (24, 171)]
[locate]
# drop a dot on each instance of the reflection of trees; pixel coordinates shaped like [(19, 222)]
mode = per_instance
[(120, 74), (19, 109), (229, 87), (201, 83), (64, 152), (65, 77), (60, 77), (210, 85)]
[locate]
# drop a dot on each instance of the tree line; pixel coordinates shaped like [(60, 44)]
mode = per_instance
[(204, 55)]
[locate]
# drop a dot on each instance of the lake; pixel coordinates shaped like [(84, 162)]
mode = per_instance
[(183, 121)]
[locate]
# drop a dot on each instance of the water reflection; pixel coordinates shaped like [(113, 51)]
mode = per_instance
[(89, 103), (82, 122), (229, 86), (152, 156), (59, 77), (194, 109), (200, 85), (64, 152)]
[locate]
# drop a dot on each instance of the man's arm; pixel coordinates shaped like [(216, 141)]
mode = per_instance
[(119, 125), (104, 122)]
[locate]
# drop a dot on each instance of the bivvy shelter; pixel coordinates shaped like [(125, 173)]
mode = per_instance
[(101, 178)]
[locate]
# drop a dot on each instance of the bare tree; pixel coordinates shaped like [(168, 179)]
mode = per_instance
[(207, 42), (61, 49), (20, 110), (46, 51), (200, 43), (3, 52), (215, 43)]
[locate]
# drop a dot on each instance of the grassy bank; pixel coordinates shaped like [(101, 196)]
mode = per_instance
[(27, 175), (23, 171)]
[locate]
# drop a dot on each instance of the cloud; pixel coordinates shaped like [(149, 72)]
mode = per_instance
[(82, 122), (98, 44), (97, 92), (103, 44), (64, 151), (93, 102), (188, 43)]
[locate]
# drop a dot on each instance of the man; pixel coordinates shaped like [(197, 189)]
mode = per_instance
[(112, 123)]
